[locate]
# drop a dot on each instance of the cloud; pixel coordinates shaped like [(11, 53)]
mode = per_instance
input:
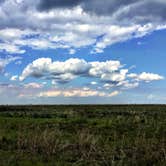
[(107, 86), (93, 83), (111, 73), (147, 77), (4, 62), (72, 51), (115, 93), (68, 70), (12, 49), (60, 71), (35, 90), (1, 1), (77, 93), (105, 7), (10, 34), (122, 10), (49, 4), (116, 76), (33, 85), (15, 91), (98, 68), (11, 40), (144, 11), (76, 24), (18, 62), (128, 84), (14, 78)]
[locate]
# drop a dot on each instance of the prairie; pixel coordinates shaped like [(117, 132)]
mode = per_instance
[(82, 135)]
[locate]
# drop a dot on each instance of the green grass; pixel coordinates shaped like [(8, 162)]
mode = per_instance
[(83, 135)]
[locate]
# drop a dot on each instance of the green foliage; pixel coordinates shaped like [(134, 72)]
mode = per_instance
[(83, 135)]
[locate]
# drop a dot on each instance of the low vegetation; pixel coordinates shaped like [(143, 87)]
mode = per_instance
[(82, 135)]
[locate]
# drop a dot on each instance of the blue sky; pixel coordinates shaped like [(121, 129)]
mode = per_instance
[(79, 52)]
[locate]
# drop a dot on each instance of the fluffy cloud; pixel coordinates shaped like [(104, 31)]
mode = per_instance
[(109, 72), (147, 77), (72, 68), (98, 68), (76, 24), (60, 71), (115, 77)]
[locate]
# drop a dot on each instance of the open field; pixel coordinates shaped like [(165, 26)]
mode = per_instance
[(83, 135)]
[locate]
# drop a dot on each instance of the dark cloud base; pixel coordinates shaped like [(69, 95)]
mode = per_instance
[(136, 11), (49, 4)]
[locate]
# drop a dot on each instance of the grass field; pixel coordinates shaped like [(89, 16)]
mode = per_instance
[(83, 135)]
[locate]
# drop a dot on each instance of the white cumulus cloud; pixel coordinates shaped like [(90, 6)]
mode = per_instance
[(147, 77)]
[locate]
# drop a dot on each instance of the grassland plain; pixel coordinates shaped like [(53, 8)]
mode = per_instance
[(83, 135)]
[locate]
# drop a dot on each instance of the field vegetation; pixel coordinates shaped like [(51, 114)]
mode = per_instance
[(83, 135)]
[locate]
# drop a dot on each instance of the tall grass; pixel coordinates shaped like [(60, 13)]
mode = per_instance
[(83, 135)]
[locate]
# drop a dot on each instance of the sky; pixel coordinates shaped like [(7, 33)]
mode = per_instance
[(82, 52)]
